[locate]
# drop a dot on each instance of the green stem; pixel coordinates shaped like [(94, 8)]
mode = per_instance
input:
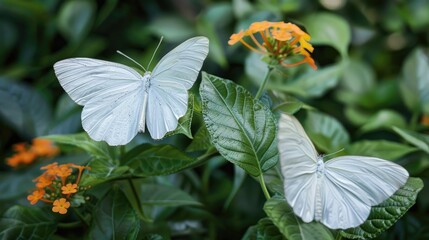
[(136, 196), (264, 83), (338, 237), (264, 188), (122, 150)]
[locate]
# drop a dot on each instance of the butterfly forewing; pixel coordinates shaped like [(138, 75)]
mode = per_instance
[(175, 73), (112, 95), (298, 159)]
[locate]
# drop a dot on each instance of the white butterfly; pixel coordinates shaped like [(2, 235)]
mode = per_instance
[(340, 192), (118, 101)]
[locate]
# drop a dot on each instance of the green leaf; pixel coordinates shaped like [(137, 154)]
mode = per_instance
[(241, 128), (20, 222), (114, 218), (102, 171), (99, 150), (326, 132), (154, 160), (75, 19), (359, 77), (379, 148), (311, 84), (264, 230), (383, 119), (185, 122), (384, 215), (328, 29), (162, 195), (291, 226), (201, 141), (290, 105), (419, 140), (24, 109), (172, 28), (414, 83), (239, 177)]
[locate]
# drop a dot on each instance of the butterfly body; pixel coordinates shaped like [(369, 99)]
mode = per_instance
[(119, 102), (339, 192)]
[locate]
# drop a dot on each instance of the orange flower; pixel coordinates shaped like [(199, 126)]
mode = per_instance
[(63, 170), (280, 41), (19, 147), (43, 181), (51, 169), (21, 158), (36, 196), (44, 147), (60, 206), (69, 188)]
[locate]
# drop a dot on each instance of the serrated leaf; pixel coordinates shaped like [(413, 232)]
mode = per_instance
[(328, 29), (99, 150), (154, 160), (384, 215), (20, 222), (201, 140), (241, 128), (379, 148), (184, 124), (326, 132), (114, 218), (419, 140), (291, 226), (24, 109), (415, 79)]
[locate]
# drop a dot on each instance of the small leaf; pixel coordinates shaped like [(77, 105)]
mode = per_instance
[(20, 222), (328, 29), (383, 119), (241, 128), (185, 122), (99, 150), (291, 226), (384, 215), (379, 148), (419, 140), (154, 160), (162, 195), (201, 141), (114, 218), (264, 230), (24, 109), (326, 132), (75, 19), (239, 177), (415, 79)]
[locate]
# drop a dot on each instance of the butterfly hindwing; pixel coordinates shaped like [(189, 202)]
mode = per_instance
[(111, 93), (175, 73)]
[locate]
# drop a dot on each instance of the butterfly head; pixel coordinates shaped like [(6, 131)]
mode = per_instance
[(320, 166)]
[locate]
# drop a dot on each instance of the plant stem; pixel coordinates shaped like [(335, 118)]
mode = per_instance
[(136, 196), (264, 83), (264, 188)]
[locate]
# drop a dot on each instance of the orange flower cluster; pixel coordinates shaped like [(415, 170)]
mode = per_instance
[(57, 185), (28, 154), (280, 41)]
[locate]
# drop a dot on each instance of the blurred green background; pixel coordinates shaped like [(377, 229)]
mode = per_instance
[(362, 48)]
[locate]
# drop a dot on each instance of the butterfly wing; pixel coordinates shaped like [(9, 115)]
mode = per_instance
[(175, 73), (298, 160), (112, 95), (353, 184)]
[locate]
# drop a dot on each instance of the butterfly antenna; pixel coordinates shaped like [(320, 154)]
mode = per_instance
[(342, 149), (156, 49), (123, 54)]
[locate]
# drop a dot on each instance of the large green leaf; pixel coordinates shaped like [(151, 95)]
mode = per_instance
[(241, 128), (326, 132), (162, 195), (264, 230), (102, 171), (417, 139), (415, 79), (82, 141), (114, 218), (201, 140), (24, 109), (379, 148), (328, 29), (384, 215), (291, 226), (154, 160), (172, 28), (383, 119), (20, 222)]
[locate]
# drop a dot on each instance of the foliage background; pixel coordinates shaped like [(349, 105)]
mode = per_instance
[(363, 81)]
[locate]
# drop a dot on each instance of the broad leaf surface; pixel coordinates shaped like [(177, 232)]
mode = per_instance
[(379, 148), (419, 140), (241, 128)]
